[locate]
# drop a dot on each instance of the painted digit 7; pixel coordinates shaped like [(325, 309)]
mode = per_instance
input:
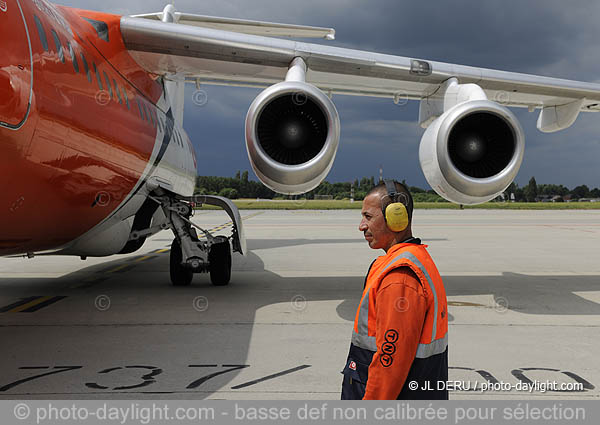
[(205, 378), (31, 378)]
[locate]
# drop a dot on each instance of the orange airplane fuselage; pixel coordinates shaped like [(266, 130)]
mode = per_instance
[(82, 126)]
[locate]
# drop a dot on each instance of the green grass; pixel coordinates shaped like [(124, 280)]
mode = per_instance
[(303, 204)]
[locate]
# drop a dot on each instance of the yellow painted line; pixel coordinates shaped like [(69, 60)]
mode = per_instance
[(29, 304), (161, 251), (116, 269), (229, 223), (253, 215), (142, 258)]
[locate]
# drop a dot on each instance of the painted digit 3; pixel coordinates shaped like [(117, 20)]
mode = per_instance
[(147, 379)]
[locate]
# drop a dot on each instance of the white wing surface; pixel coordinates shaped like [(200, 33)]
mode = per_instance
[(234, 58)]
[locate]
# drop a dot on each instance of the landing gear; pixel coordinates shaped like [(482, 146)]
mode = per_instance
[(192, 254), (219, 264), (180, 275), (219, 260)]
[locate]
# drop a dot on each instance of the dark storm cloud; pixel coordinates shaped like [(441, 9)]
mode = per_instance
[(545, 37)]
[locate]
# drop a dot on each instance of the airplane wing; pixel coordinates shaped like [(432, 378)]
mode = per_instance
[(215, 56), (473, 146)]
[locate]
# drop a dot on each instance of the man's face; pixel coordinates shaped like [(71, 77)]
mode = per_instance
[(373, 224)]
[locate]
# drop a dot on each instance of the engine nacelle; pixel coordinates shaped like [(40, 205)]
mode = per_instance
[(472, 152), (292, 136)]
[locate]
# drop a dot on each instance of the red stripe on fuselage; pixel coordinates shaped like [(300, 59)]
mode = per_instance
[(80, 153)]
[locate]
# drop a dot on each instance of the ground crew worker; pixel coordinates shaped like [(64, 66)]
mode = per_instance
[(399, 346)]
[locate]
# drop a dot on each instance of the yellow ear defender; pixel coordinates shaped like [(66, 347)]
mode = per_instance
[(396, 215)]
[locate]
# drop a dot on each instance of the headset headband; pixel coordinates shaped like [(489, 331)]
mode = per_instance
[(391, 189), (394, 195)]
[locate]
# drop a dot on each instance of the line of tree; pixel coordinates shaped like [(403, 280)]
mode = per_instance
[(241, 187), (533, 192)]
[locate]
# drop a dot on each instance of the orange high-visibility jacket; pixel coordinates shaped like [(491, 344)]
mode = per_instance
[(405, 334)]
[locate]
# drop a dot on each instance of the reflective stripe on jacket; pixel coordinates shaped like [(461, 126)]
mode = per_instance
[(427, 361)]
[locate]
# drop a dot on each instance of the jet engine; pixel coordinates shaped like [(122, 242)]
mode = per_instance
[(472, 152), (292, 135)]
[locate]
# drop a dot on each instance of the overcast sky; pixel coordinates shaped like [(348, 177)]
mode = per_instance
[(544, 37)]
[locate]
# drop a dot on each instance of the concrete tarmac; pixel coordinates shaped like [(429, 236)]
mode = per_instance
[(523, 289)]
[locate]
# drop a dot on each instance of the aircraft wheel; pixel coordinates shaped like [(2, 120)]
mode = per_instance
[(180, 276), (219, 260)]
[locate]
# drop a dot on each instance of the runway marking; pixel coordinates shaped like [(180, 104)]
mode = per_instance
[(31, 304), (31, 378), (17, 304), (144, 258), (89, 282), (266, 378), (43, 304), (126, 268), (112, 382), (147, 379), (118, 268), (252, 215), (229, 223), (200, 381)]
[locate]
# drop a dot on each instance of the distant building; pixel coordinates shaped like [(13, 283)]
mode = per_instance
[(542, 198)]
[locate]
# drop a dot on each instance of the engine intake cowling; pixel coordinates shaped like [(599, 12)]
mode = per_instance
[(292, 135), (472, 152)]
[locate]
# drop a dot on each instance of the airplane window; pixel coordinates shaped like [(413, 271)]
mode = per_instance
[(41, 32), (126, 98), (59, 47), (73, 58), (98, 76), (140, 107), (108, 85), (117, 91), (86, 67)]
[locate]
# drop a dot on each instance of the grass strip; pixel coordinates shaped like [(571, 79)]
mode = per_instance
[(303, 204)]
